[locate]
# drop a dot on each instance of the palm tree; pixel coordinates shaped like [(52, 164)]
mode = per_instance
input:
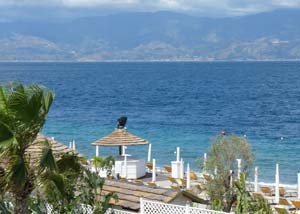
[(23, 111)]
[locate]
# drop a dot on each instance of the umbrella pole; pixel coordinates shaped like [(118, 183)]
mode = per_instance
[(120, 150)]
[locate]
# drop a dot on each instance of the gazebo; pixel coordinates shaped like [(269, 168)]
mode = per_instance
[(125, 165)]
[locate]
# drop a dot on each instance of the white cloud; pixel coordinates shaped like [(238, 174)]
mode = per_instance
[(216, 7)]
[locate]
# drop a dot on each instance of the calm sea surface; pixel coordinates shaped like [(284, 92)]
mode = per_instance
[(175, 104)]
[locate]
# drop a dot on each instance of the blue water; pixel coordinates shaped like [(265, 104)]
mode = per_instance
[(175, 104)]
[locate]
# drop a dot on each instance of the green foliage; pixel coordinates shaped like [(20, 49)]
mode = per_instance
[(246, 204), (103, 164), (23, 111), (222, 155)]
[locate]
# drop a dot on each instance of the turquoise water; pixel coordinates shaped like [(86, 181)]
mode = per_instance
[(175, 104)]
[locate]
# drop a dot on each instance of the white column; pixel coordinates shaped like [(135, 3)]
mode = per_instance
[(256, 179), (149, 152), (231, 179), (70, 145), (188, 177), (204, 162), (298, 175), (216, 170), (178, 154), (239, 161), (74, 145), (154, 170), (97, 151), (277, 184), (125, 166), (181, 168), (123, 150), (187, 209)]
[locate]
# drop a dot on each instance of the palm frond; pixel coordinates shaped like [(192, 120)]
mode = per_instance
[(47, 160)]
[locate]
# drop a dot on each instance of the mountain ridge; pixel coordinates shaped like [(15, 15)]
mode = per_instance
[(159, 36)]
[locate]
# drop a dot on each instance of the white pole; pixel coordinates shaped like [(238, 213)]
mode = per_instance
[(178, 154), (125, 165), (123, 150), (204, 162), (70, 145), (277, 184), (188, 177), (298, 185), (181, 168), (216, 170), (149, 152), (256, 179), (74, 145), (239, 161), (154, 170), (97, 151)]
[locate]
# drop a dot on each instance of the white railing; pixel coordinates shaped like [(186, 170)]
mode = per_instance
[(86, 209), (154, 207)]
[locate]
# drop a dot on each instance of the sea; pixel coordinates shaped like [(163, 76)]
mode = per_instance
[(175, 104)]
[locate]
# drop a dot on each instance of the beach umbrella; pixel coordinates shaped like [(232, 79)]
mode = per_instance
[(97, 151), (298, 175), (120, 137), (188, 177), (277, 184), (74, 145), (256, 179), (149, 152), (204, 162), (178, 154), (239, 161), (153, 171), (181, 168)]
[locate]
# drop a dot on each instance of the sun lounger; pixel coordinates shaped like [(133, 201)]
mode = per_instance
[(168, 168), (137, 181), (193, 176), (281, 210), (152, 184), (149, 166), (207, 178), (266, 190), (296, 203)]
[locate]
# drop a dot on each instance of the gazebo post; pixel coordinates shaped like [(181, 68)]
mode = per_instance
[(120, 150)]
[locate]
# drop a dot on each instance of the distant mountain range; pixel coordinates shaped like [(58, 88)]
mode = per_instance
[(162, 36)]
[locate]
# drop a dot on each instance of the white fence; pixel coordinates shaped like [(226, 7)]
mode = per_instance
[(154, 207), (150, 207)]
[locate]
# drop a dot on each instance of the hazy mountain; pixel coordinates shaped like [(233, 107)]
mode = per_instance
[(154, 36)]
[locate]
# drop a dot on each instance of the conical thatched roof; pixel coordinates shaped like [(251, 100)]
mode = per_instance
[(58, 149), (120, 137), (34, 151)]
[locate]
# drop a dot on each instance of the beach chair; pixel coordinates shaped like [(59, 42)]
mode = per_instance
[(138, 181), (266, 190), (257, 195), (181, 182), (286, 192), (168, 168), (172, 180), (175, 187), (152, 184), (281, 210), (296, 203), (149, 166), (193, 176), (123, 179), (207, 177)]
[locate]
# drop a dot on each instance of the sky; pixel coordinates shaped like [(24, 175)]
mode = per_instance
[(73, 8)]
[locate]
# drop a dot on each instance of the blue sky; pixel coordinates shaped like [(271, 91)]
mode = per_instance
[(211, 8)]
